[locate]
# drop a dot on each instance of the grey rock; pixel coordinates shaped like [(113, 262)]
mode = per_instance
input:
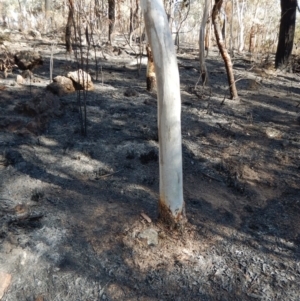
[(150, 235), (19, 79), (28, 60), (61, 85)]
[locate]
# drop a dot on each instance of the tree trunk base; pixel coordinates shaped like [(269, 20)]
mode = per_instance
[(167, 218)]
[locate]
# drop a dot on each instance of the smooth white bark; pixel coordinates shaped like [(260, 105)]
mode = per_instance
[(231, 30), (169, 107), (240, 14)]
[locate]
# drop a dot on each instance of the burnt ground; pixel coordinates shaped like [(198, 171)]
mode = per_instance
[(71, 207)]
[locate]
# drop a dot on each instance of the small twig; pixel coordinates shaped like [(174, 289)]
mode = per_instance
[(222, 102), (109, 174), (146, 217), (197, 82), (210, 177)]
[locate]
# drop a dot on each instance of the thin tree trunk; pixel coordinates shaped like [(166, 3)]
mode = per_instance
[(252, 39), (134, 20), (253, 31), (208, 30), (69, 27), (224, 19), (223, 50), (184, 4), (171, 203), (240, 14), (20, 6), (207, 36), (111, 18), (169, 9), (286, 33), (97, 13), (203, 69), (231, 30), (47, 7), (131, 25)]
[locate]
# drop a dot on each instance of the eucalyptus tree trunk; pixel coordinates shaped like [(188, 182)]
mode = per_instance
[(208, 30), (184, 4), (207, 39), (253, 30), (224, 21), (169, 9), (203, 69), (286, 33), (230, 13), (111, 19), (70, 23), (47, 7), (222, 48), (171, 203), (134, 21), (240, 14)]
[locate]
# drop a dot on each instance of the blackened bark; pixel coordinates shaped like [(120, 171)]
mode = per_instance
[(150, 77), (286, 33), (222, 48), (111, 18), (224, 27), (207, 36), (69, 27)]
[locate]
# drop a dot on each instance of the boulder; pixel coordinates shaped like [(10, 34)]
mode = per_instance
[(81, 80), (28, 60), (150, 235), (61, 85)]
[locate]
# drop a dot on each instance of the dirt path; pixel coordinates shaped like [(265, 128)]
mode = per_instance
[(74, 210)]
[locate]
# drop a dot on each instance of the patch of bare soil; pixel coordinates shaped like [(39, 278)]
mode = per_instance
[(78, 215)]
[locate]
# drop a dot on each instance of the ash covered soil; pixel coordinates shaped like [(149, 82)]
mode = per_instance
[(78, 215)]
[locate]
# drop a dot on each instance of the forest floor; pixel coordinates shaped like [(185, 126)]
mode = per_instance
[(78, 215)]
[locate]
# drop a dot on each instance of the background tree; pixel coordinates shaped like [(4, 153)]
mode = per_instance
[(203, 69), (286, 33), (171, 203), (68, 35), (134, 21), (169, 8), (47, 7), (220, 41), (240, 8), (180, 15), (111, 19)]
